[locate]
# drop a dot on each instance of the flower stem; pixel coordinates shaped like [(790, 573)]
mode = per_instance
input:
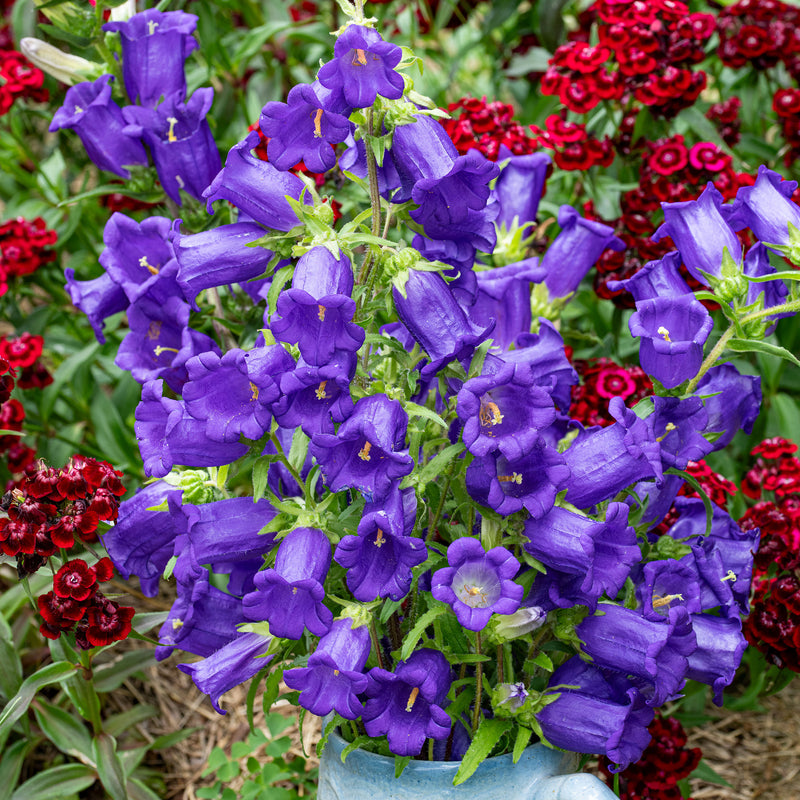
[(476, 711), (711, 359), (500, 665), (373, 634)]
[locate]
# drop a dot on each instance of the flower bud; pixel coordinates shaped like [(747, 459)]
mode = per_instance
[(62, 66), (505, 627)]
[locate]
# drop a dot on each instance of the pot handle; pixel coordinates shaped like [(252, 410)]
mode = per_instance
[(572, 787)]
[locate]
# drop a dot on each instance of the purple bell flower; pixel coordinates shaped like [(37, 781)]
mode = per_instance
[(673, 331), (368, 451), (235, 393), (756, 265), (302, 129), (315, 313), (138, 256), (141, 542), (720, 645), (180, 141), (665, 584), (98, 298), (202, 620), (600, 717), (289, 597), (678, 426), (503, 410), (406, 704), (655, 652), (766, 208), (575, 251), (504, 294), (701, 233), (155, 45), (335, 675), (453, 206), (168, 435), (316, 397), (89, 111), (604, 461), (477, 583), (231, 665), (734, 402), (436, 320), (256, 188), (531, 482), (596, 557), (379, 559), (218, 256), (520, 186), (363, 67), (656, 279), (420, 150), (160, 342)]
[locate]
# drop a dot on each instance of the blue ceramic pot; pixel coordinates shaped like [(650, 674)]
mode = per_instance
[(540, 774)]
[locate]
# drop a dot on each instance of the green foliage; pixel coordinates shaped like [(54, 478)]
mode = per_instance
[(262, 766)]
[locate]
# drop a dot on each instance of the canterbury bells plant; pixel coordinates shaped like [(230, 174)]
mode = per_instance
[(367, 482)]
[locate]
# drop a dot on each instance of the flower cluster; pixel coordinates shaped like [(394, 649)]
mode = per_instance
[(773, 626), (155, 45), (18, 77), (759, 34), (602, 379), (23, 354), (397, 410), (486, 127), (24, 246), (786, 104), (645, 54), (51, 510), (575, 148), (665, 762)]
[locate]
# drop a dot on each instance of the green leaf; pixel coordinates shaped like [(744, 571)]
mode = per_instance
[(11, 765), (57, 782), (400, 763), (144, 622), (416, 633), (486, 737), (544, 661), (279, 280), (109, 767), (18, 704), (252, 690), (125, 720), (794, 275), (299, 449), (521, 742), (68, 734), (64, 375), (83, 696), (705, 773), (260, 475), (416, 410), (756, 346), (354, 745), (10, 665), (110, 676), (438, 463), (272, 688)]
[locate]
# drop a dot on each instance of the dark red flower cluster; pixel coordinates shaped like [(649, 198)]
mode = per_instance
[(75, 604), (23, 355), (644, 54), (602, 379), (760, 33), (575, 148), (18, 77), (51, 508), (716, 486), (24, 246), (773, 626), (18, 456), (725, 117), (485, 126), (665, 762), (786, 105)]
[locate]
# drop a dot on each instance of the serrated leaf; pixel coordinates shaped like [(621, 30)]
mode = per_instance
[(416, 410), (354, 745), (272, 688), (62, 781), (260, 475), (486, 737), (757, 346), (280, 279), (437, 464), (544, 661), (521, 742), (299, 449), (416, 633)]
